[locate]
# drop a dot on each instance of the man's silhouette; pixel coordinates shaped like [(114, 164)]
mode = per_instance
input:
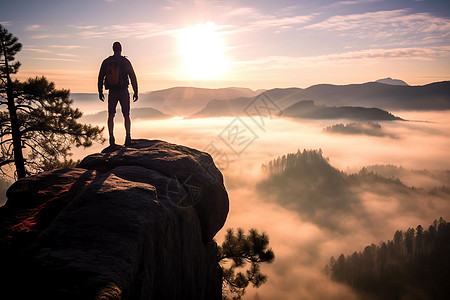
[(114, 74)]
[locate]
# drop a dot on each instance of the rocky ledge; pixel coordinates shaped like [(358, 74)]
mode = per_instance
[(131, 222)]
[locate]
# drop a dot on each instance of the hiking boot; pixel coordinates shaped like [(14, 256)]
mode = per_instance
[(128, 140), (112, 141)]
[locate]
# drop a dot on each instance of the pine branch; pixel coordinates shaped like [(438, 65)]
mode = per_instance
[(6, 162), (5, 141)]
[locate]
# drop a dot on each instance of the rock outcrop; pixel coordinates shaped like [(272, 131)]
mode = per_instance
[(129, 223)]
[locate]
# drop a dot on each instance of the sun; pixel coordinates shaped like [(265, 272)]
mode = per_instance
[(202, 52)]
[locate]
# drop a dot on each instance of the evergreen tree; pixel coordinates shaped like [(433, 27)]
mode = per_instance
[(9, 46), (236, 251), (415, 262), (39, 118)]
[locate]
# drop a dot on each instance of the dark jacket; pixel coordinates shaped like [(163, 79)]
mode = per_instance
[(126, 70)]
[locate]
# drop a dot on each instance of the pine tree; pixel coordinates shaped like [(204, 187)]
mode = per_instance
[(9, 46), (39, 118), (414, 262), (236, 251)]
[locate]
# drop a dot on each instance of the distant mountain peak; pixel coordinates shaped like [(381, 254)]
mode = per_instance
[(391, 81)]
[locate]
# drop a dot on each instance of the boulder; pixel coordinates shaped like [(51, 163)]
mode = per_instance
[(132, 222)]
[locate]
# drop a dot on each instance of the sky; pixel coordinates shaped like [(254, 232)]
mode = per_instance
[(258, 44), (262, 44)]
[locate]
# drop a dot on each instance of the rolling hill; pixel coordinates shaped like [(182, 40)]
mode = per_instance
[(201, 102), (308, 110), (136, 113), (183, 101), (434, 96)]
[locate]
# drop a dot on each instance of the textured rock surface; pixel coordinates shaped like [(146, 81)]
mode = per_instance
[(131, 222)]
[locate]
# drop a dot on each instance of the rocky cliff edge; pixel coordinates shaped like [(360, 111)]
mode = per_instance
[(129, 223)]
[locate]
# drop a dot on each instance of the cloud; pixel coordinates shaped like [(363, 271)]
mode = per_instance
[(394, 24), (280, 22), (353, 2), (288, 62), (54, 58), (68, 47), (396, 53), (39, 50), (94, 34), (84, 26), (48, 36), (33, 27), (172, 4), (255, 20), (67, 54), (131, 30), (349, 22)]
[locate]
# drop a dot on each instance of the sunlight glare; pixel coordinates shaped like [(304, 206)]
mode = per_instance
[(202, 52)]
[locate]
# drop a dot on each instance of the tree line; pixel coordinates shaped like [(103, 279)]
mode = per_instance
[(294, 161), (415, 263)]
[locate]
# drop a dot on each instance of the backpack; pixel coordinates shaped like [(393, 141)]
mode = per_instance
[(114, 74)]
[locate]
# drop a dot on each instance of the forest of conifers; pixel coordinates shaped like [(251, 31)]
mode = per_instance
[(414, 265)]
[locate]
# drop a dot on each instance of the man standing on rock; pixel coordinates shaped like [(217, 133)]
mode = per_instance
[(114, 73)]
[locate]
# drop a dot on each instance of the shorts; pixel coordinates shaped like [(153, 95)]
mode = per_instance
[(119, 95)]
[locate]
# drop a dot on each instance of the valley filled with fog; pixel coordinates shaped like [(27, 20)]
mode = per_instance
[(328, 206), (329, 121)]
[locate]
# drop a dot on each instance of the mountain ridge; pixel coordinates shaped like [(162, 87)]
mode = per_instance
[(191, 101), (389, 80), (188, 100), (433, 96)]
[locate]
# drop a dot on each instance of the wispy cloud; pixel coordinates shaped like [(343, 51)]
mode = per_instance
[(397, 53), (68, 47), (131, 30), (353, 2), (172, 4), (354, 21), (38, 50), (93, 34), (285, 62), (84, 26), (281, 22), (393, 24), (33, 27), (255, 20), (67, 54), (48, 36), (54, 58)]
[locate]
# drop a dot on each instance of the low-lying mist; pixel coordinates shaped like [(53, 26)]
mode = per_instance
[(311, 218)]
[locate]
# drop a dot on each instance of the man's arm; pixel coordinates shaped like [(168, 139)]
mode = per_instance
[(101, 76), (133, 80)]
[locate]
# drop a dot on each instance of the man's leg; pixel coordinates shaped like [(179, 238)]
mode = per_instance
[(113, 98), (111, 129), (127, 122), (125, 104)]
